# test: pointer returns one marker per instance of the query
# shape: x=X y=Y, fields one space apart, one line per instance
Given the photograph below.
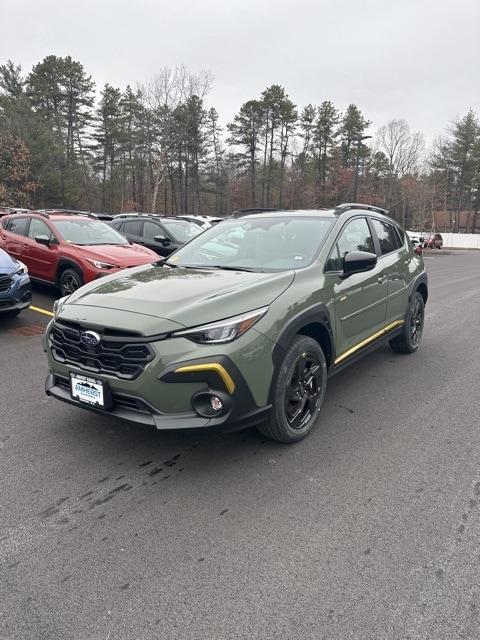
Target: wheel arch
x=420 y=284
x=66 y=263
x=313 y=322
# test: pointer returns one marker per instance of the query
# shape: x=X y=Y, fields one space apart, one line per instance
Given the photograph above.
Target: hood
x=188 y=297
x=129 y=255
x=7 y=263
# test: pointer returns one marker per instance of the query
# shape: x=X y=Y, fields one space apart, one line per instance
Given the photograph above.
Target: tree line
x=160 y=147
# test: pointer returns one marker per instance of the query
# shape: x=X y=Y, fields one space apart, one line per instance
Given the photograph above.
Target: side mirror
x=43 y=240
x=357 y=262
x=163 y=240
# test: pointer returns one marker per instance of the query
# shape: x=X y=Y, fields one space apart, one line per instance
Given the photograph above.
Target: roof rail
x=340 y=208
x=245 y=212
x=72 y=212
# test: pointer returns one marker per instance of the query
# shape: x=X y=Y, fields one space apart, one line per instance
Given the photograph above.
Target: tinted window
x=133 y=227
x=38 y=228
x=151 y=229
x=387 y=236
x=18 y=226
x=355 y=236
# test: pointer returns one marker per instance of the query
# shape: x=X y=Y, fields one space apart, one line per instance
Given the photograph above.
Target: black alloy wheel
x=410 y=338
x=297 y=391
x=70 y=281
x=303 y=390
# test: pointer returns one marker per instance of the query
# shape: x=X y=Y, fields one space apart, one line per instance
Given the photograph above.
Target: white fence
x=461 y=240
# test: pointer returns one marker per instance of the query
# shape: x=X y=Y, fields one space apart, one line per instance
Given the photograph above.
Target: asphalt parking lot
x=368 y=529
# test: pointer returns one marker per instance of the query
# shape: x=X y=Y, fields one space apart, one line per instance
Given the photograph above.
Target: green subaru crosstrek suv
x=243 y=325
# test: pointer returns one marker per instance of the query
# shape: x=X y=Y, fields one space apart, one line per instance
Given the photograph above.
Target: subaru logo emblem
x=90 y=338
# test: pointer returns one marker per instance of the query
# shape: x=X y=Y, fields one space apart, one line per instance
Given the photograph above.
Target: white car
x=203 y=221
x=416 y=237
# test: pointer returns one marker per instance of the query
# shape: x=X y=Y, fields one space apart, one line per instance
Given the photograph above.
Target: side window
x=18 y=226
x=151 y=229
x=133 y=227
x=387 y=236
x=355 y=236
x=38 y=228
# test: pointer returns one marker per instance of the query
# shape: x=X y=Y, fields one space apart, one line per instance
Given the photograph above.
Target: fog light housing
x=216 y=403
x=211 y=404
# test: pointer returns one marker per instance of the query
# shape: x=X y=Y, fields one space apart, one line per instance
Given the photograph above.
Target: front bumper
x=242 y=411
x=18 y=297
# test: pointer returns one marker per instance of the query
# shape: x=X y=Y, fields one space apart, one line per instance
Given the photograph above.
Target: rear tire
x=70 y=280
x=298 y=389
x=409 y=340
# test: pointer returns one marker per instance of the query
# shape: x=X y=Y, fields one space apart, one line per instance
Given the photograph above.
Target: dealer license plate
x=88 y=390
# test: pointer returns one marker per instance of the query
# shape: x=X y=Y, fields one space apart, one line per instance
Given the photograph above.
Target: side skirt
x=363 y=352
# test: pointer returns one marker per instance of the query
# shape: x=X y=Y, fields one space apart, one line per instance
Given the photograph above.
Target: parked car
x=416 y=238
x=15 y=291
x=162 y=234
x=202 y=341
x=205 y=222
x=68 y=250
x=433 y=241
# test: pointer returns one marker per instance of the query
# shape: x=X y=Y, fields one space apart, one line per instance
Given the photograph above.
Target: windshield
x=181 y=230
x=85 y=231
x=259 y=244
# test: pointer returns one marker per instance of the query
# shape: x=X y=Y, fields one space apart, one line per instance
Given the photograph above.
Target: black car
x=162 y=234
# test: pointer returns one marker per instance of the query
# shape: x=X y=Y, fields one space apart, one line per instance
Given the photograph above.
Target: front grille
x=6 y=303
x=119 y=400
x=5 y=283
x=118 y=354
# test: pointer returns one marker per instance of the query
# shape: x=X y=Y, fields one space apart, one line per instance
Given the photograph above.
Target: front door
x=360 y=301
x=150 y=231
x=40 y=259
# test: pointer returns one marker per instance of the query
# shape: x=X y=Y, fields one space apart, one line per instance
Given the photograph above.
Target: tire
x=409 y=340
x=13 y=313
x=70 y=280
x=298 y=389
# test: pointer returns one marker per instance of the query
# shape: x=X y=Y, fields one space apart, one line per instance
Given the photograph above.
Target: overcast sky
x=413 y=59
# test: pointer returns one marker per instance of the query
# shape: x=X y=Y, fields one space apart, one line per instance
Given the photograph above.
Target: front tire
x=298 y=390
x=70 y=280
x=409 y=340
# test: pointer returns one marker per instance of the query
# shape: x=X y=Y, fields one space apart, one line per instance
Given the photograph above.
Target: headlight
x=58 y=304
x=101 y=265
x=21 y=270
x=224 y=330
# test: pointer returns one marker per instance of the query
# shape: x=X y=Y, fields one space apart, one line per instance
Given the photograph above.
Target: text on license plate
x=86 y=389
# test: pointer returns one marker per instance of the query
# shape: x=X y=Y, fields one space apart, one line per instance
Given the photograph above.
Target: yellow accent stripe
x=363 y=343
x=44 y=311
x=211 y=366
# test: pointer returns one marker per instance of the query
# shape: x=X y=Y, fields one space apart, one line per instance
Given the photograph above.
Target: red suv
x=433 y=241
x=68 y=250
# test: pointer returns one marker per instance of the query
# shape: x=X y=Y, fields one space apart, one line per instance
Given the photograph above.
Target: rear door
x=360 y=301
x=394 y=258
x=14 y=231
x=133 y=229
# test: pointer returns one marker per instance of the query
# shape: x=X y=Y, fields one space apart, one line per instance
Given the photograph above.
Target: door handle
x=381 y=278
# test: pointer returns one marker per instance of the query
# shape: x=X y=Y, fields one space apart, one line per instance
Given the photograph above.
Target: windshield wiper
x=169 y=264
x=232 y=268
